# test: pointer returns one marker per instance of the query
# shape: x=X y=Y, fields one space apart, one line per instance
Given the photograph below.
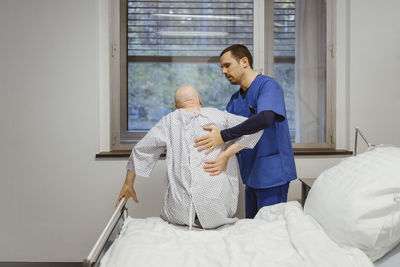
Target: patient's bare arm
x=215 y=167
x=128 y=190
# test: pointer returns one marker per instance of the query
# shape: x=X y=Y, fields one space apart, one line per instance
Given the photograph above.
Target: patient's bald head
x=187 y=96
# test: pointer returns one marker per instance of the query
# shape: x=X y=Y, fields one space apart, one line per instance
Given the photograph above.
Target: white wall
x=375 y=69
x=55 y=197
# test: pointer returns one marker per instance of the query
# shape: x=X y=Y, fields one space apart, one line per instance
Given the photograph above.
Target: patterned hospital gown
x=188 y=189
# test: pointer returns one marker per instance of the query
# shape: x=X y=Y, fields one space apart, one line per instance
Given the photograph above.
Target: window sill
x=321 y=152
x=296 y=152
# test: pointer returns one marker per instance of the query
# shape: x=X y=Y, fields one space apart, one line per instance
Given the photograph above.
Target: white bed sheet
x=280 y=235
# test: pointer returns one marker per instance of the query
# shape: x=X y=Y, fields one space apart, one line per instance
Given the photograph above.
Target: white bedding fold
x=280 y=235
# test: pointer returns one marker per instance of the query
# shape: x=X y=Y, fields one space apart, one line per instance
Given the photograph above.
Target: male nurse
x=267 y=169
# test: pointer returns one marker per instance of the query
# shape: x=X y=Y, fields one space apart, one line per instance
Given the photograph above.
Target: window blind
x=284 y=28
x=187 y=28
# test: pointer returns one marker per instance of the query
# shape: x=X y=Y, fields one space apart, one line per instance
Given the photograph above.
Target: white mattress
x=280 y=235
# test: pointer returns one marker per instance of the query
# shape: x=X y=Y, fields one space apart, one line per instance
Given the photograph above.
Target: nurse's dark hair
x=239 y=51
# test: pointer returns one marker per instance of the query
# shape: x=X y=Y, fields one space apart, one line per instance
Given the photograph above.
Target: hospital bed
x=306 y=235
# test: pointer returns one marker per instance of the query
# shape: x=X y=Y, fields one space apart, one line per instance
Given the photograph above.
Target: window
x=300 y=65
x=166 y=44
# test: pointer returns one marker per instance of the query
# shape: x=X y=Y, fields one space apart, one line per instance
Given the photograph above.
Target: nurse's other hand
x=210 y=141
x=127 y=191
x=215 y=167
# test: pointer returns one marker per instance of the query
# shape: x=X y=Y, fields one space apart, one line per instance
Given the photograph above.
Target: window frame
x=263 y=48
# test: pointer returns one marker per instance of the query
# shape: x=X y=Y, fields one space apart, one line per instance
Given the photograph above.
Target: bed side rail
x=101 y=241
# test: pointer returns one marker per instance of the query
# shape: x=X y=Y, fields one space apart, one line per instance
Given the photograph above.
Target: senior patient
x=200 y=190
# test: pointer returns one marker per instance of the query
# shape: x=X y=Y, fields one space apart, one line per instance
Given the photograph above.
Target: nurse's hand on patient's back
x=215 y=167
x=209 y=141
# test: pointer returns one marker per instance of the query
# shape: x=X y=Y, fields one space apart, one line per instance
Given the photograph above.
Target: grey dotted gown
x=189 y=191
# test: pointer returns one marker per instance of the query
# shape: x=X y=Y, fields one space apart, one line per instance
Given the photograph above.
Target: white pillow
x=357 y=201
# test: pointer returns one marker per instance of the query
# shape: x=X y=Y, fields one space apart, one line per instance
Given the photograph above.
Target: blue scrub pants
x=256 y=198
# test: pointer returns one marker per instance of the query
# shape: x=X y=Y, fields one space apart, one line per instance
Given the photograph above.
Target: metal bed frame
x=109 y=234
x=114 y=225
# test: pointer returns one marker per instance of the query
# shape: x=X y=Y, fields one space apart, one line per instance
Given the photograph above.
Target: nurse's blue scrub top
x=271 y=162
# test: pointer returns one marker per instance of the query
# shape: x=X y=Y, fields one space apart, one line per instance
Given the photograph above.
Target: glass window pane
x=284 y=56
x=186 y=30
x=173 y=43
x=207 y=26
x=284 y=73
x=151 y=88
x=300 y=66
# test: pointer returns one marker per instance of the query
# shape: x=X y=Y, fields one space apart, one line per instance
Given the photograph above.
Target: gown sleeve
x=146 y=152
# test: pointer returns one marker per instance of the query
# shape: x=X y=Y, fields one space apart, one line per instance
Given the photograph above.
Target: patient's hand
x=215 y=167
x=210 y=141
x=127 y=191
